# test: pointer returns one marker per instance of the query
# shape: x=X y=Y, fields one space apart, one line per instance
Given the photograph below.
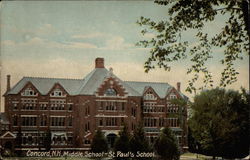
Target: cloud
x=37 y=42
x=116 y=43
x=43 y=30
x=88 y=36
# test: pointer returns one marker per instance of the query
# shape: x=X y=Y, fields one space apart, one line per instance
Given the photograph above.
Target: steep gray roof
x=95 y=78
x=160 y=88
x=89 y=84
x=45 y=84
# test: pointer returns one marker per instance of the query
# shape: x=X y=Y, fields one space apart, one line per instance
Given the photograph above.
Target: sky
x=61 y=39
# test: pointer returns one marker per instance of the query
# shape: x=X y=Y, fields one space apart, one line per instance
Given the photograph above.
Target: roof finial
x=110 y=73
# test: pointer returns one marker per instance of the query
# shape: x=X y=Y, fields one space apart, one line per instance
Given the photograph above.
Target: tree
x=47 y=140
x=99 y=143
x=139 y=142
x=166 y=145
x=219 y=123
x=122 y=142
x=168 y=45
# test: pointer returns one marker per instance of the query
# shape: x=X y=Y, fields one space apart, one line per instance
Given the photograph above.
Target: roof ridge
x=148 y=82
x=53 y=78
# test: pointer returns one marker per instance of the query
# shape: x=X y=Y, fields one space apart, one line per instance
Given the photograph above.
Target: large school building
x=73 y=109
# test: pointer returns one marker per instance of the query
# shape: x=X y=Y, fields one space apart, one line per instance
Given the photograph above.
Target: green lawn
x=189 y=155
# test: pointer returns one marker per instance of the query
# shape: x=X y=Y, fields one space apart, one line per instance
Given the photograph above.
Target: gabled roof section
x=161 y=89
x=95 y=78
x=28 y=85
x=150 y=89
x=44 y=85
x=57 y=86
x=175 y=90
x=8 y=134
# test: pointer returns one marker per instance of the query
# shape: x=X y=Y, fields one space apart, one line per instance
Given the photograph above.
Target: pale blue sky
x=62 y=39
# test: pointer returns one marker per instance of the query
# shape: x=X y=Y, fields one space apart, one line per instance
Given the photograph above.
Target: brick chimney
x=99 y=62
x=8 y=83
x=178 y=86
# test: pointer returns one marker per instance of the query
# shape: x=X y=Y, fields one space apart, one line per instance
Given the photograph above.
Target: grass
x=194 y=156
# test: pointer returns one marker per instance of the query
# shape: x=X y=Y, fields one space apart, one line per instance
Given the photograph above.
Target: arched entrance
x=111 y=139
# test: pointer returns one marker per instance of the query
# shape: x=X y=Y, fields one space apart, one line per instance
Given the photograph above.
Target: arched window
x=110 y=92
x=57 y=93
x=29 y=92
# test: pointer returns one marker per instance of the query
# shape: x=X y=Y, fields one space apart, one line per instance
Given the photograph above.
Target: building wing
x=45 y=84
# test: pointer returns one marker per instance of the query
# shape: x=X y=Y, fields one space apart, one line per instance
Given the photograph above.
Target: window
x=15 y=106
x=15 y=120
x=110 y=92
x=173 y=122
x=122 y=120
x=43 y=120
x=70 y=107
x=111 y=121
x=57 y=104
x=29 y=92
x=123 y=106
x=58 y=121
x=149 y=122
x=87 y=127
x=133 y=110
x=43 y=106
x=57 y=93
x=70 y=121
x=149 y=96
x=171 y=96
x=172 y=108
x=161 y=122
x=87 y=110
x=29 y=121
x=100 y=122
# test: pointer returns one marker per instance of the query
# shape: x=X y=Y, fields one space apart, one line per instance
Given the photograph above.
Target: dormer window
x=149 y=96
x=110 y=92
x=57 y=93
x=29 y=92
x=172 y=96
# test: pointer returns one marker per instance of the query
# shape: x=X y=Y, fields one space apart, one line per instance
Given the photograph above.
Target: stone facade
x=73 y=109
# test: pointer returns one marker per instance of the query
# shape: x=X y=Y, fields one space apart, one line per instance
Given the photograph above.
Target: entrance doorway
x=111 y=139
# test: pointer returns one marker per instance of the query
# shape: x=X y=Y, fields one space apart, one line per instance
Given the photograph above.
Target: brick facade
x=72 y=110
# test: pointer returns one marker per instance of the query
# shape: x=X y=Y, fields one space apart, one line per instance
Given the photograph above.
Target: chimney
x=178 y=86
x=99 y=62
x=8 y=83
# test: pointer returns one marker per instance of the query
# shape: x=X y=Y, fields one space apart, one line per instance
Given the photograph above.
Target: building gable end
x=57 y=88
x=111 y=86
x=29 y=86
x=150 y=94
x=8 y=134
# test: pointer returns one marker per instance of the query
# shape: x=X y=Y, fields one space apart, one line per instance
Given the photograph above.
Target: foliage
x=99 y=143
x=47 y=140
x=166 y=145
x=168 y=45
x=122 y=142
x=193 y=145
x=220 y=123
x=139 y=142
